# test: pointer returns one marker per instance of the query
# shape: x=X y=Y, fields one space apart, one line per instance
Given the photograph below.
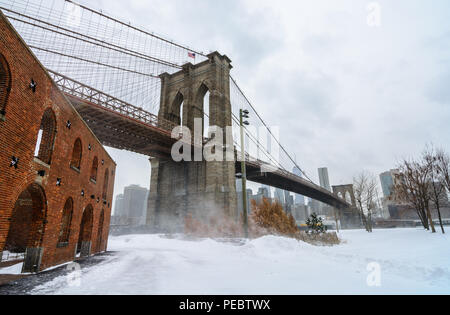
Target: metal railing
x=108 y=102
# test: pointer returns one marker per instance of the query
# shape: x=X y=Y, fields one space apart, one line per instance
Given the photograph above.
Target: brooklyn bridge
x=133 y=87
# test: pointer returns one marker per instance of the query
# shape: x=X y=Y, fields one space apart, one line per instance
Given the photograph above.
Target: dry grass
x=267 y=219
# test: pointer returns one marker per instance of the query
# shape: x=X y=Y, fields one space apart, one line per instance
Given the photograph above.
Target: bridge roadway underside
x=289 y=182
x=124 y=133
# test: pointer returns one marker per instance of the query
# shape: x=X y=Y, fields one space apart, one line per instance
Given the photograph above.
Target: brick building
x=56 y=179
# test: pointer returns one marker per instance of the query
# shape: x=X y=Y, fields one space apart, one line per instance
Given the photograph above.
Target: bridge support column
x=189 y=188
x=199 y=188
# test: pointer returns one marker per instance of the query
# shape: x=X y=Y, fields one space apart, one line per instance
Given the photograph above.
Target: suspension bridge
x=133 y=87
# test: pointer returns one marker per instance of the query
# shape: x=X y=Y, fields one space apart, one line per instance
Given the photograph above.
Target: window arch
x=77 y=153
x=85 y=234
x=176 y=115
x=27 y=226
x=46 y=137
x=203 y=97
x=105 y=185
x=5 y=84
x=94 y=170
x=348 y=197
x=66 y=222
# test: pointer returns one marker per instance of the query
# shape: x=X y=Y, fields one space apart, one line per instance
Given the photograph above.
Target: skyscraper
x=387 y=182
x=118 y=208
x=130 y=207
x=324 y=179
x=135 y=201
x=299 y=199
x=288 y=201
x=279 y=196
x=268 y=190
x=264 y=192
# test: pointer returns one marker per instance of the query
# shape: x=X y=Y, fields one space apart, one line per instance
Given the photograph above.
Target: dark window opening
x=46 y=137
x=94 y=170
x=105 y=185
x=5 y=85
x=77 y=153
x=66 y=222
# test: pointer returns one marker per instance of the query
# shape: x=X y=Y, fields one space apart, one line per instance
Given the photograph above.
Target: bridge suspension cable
x=100 y=51
x=122 y=60
x=240 y=100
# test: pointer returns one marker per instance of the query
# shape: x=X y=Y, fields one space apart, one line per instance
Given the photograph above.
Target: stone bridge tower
x=199 y=188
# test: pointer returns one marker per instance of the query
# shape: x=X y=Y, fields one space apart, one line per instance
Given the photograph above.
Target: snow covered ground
x=411 y=262
x=12 y=270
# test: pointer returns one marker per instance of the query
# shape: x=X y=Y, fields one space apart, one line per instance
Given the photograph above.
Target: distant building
x=240 y=202
x=279 y=196
x=300 y=213
x=130 y=207
x=299 y=199
x=324 y=179
x=135 y=202
x=387 y=180
x=314 y=206
x=118 y=207
x=265 y=192
x=269 y=191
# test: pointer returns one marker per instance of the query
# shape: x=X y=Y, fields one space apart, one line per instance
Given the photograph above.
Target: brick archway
x=101 y=221
x=27 y=227
x=85 y=237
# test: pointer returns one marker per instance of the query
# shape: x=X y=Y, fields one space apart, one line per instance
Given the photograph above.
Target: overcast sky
x=347 y=95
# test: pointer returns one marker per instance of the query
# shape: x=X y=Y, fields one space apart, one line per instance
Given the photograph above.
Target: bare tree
x=443 y=167
x=366 y=196
x=413 y=186
x=437 y=181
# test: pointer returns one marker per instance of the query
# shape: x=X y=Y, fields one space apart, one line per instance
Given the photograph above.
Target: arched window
x=176 y=115
x=5 y=84
x=348 y=197
x=46 y=137
x=27 y=227
x=105 y=185
x=203 y=97
x=85 y=235
x=76 y=155
x=181 y=114
x=94 y=170
x=66 y=221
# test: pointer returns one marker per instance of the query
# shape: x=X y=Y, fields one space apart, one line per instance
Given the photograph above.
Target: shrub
x=270 y=218
x=315 y=224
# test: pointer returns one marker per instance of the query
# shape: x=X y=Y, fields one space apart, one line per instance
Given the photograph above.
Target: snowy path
x=412 y=262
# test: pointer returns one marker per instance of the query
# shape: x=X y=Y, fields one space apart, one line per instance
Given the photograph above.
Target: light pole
x=244 y=114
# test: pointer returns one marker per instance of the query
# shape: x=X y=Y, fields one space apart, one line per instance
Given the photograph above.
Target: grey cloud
x=353 y=98
x=439 y=90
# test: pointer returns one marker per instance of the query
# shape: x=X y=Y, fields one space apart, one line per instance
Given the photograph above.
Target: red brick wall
x=18 y=136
